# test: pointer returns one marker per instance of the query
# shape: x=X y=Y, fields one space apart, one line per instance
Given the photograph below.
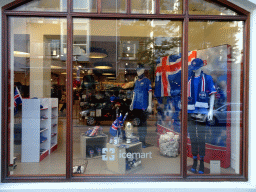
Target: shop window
x=107 y=87
x=143 y=6
x=113 y=6
x=38 y=84
x=214 y=97
x=126 y=89
x=204 y=7
x=44 y=5
x=87 y=6
x=171 y=6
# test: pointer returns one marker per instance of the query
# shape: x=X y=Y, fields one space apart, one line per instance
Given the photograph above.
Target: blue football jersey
x=210 y=89
x=141 y=89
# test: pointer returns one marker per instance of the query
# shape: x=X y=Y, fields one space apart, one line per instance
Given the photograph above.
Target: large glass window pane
x=85 y=6
x=171 y=6
x=113 y=6
x=143 y=6
x=44 y=5
x=118 y=64
x=203 y=7
x=214 y=97
x=38 y=84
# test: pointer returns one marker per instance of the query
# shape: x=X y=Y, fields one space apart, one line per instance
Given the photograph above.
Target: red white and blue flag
x=168 y=69
x=93 y=132
x=116 y=126
x=17 y=98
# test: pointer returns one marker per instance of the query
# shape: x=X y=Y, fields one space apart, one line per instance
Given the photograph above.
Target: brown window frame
x=7 y=11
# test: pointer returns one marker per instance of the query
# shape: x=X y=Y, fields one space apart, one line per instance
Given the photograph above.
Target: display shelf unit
x=37 y=129
x=118 y=164
x=100 y=140
x=54 y=124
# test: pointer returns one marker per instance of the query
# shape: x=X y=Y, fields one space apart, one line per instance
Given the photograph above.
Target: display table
x=116 y=156
x=99 y=140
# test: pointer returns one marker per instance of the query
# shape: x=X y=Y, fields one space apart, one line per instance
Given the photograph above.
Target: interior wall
x=40 y=64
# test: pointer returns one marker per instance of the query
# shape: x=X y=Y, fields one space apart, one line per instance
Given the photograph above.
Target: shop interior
x=106 y=59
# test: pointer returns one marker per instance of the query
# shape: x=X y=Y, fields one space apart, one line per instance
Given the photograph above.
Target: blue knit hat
x=196 y=64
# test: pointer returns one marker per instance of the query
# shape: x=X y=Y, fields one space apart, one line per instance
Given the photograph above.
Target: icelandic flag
x=168 y=74
x=17 y=99
x=116 y=126
x=93 y=132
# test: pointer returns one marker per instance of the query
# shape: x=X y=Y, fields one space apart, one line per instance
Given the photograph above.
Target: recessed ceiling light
x=55 y=67
x=108 y=74
x=21 y=54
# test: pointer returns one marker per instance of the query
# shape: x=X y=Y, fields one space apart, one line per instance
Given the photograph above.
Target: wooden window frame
x=185 y=18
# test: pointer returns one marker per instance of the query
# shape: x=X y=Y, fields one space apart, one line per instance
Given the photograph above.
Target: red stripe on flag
x=166 y=67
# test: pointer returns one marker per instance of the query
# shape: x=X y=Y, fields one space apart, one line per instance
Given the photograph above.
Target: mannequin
x=88 y=81
x=142 y=102
x=88 y=84
x=201 y=94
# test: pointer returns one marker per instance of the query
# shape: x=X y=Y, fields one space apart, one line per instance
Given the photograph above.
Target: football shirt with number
x=141 y=91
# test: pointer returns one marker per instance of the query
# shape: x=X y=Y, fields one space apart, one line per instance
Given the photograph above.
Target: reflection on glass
x=143 y=6
x=44 y=5
x=171 y=6
x=214 y=107
x=88 y=6
x=117 y=87
x=113 y=6
x=203 y=7
x=38 y=84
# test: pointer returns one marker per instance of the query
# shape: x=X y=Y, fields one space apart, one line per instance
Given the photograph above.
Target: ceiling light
x=108 y=73
x=65 y=73
x=21 y=54
x=55 y=67
x=96 y=53
x=102 y=65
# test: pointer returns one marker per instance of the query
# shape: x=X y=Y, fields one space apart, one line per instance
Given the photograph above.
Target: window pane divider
x=5 y=94
x=69 y=97
x=218 y=17
x=99 y=6
x=125 y=16
x=245 y=117
x=129 y=2
x=184 y=99
x=36 y=14
x=157 y=7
